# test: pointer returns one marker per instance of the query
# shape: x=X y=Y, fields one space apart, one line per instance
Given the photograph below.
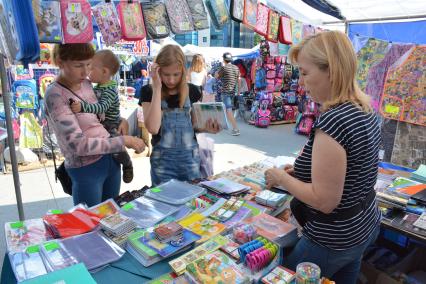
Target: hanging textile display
x=8 y=32
x=156 y=20
x=218 y=12
x=199 y=14
x=31 y=132
x=237 y=10
x=404 y=93
x=285 y=35
x=48 y=20
x=409 y=145
x=76 y=21
x=179 y=16
x=296 y=31
x=377 y=73
x=250 y=13
x=106 y=18
x=262 y=19
x=131 y=20
x=273 y=25
x=370 y=54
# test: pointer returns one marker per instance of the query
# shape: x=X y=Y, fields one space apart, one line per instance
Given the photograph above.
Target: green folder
x=75 y=274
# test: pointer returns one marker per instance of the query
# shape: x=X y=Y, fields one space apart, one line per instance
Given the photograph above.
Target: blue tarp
x=402 y=32
x=325 y=7
x=250 y=55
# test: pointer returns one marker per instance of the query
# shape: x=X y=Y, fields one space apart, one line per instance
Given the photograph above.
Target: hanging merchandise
x=131 y=20
x=237 y=10
x=44 y=81
x=106 y=18
x=48 y=20
x=27 y=32
x=199 y=14
x=156 y=20
x=404 y=93
x=250 y=13
x=45 y=54
x=218 y=11
x=31 y=132
x=307 y=30
x=180 y=16
x=377 y=73
x=263 y=115
x=25 y=94
x=296 y=31
x=285 y=35
x=8 y=31
x=262 y=19
x=76 y=21
x=273 y=25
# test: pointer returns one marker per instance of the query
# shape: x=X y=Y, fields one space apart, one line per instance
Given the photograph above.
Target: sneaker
x=235 y=132
x=127 y=174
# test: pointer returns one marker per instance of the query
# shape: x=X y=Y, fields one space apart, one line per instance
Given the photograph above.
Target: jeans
x=341 y=266
x=96 y=182
x=227 y=100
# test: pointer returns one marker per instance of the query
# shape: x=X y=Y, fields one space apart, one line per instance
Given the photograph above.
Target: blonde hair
x=333 y=50
x=169 y=55
x=197 y=64
x=109 y=60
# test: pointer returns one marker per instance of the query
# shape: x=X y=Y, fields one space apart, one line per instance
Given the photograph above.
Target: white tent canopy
x=352 y=9
x=214 y=53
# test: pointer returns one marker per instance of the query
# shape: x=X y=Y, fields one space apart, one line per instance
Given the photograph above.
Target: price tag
x=17 y=225
x=161 y=30
x=51 y=246
x=128 y=206
x=33 y=249
x=392 y=109
x=56 y=211
x=74 y=7
x=155 y=189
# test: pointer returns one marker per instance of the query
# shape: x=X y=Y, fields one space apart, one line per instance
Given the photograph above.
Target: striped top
x=228 y=75
x=359 y=134
x=108 y=102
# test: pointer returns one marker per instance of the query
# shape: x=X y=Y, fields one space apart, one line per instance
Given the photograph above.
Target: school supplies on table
x=117 y=224
x=27 y=264
x=420 y=174
x=209 y=111
x=75 y=274
x=243 y=233
x=279 y=275
x=106 y=208
x=22 y=234
x=169 y=232
x=206 y=228
x=227 y=210
x=175 y=192
x=308 y=272
x=231 y=248
x=225 y=186
x=270 y=198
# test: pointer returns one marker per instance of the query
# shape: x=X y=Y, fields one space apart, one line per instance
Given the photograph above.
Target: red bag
x=250 y=13
x=262 y=19
x=273 y=25
x=284 y=34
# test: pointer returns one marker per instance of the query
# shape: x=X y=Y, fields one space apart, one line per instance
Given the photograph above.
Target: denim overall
x=176 y=155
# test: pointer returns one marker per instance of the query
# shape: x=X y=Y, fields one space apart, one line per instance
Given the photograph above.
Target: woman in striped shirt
x=333 y=179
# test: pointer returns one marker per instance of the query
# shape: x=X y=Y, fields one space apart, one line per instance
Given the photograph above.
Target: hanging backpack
x=106 y=18
x=250 y=13
x=156 y=20
x=76 y=21
x=270 y=85
x=31 y=132
x=304 y=124
x=218 y=11
x=262 y=19
x=237 y=10
x=48 y=20
x=263 y=115
x=260 y=82
x=270 y=71
x=27 y=32
x=273 y=25
x=264 y=49
x=284 y=34
x=131 y=20
x=45 y=54
x=278 y=84
x=25 y=94
x=290 y=98
x=44 y=81
x=180 y=16
x=280 y=71
x=199 y=14
x=8 y=31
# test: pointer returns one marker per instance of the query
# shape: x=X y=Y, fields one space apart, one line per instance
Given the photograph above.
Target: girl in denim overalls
x=167 y=115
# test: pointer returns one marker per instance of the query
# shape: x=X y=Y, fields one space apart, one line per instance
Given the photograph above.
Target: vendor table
x=129 y=110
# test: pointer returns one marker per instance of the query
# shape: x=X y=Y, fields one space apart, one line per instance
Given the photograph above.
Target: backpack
x=263 y=115
x=304 y=124
x=278 y=84
x=156 y=20
x=280 y=113
x=44 y=81
x=270 y=71
x=290 y=98
x=25 y=94
x=76 y=21
x=260 y=82
x=180 y=16
x=289 y=113
x=270 y=85
x=48 y=20
x=106 y=18
x=280 y=71
x=131 y=20
x=31 y=132
x=199 y=14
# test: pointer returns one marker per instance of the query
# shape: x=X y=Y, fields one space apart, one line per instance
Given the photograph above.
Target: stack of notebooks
x=420 y=174
x=117 y=227
x=225 y=186
x=270 y=198
x=171 y=232
x=227 y=210
x=175 y=192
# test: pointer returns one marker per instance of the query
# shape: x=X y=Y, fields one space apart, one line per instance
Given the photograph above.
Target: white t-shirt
x=197 y=78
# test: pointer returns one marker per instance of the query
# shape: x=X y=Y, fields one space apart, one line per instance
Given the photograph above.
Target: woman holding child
x=83 y=140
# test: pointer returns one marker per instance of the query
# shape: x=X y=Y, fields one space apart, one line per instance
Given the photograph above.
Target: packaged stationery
x=106 y=18
x=48 y=20
x=225 y=186
x=206 y=228
x=132 y=20
x=270 y=198
x=250 y=13
x=57 y=256
x=76 y=18
x=218 y=11
x=117 y=224
x=179 y=16
x=237 y=10
x=156 y=19
x=22 y=234
x=279 y=275
x=27 y=264
x=175 y=192
x=106 y=208
x=199 y=14
x=202 y=112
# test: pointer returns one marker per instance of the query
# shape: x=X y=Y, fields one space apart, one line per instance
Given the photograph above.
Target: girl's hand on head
x=155 y=75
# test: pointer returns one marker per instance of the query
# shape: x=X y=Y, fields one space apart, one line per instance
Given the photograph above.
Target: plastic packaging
x=147 y=212
x=308 y=273
x=175 y=192
x=22 y=234
x=27 y=265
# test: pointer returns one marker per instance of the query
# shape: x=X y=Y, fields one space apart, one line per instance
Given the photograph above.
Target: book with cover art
x=206 y=228
x=22 y=234
x=106 y=208
x=216 y=267
x=226 y=186
x=204 y=112
x=279 y=275
x=166 y=249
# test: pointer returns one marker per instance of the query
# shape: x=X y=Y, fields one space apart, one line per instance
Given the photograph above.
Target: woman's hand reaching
x=134 y=143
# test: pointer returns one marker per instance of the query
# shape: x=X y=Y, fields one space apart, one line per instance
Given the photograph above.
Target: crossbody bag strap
x=72 y=92
x=51 y=148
